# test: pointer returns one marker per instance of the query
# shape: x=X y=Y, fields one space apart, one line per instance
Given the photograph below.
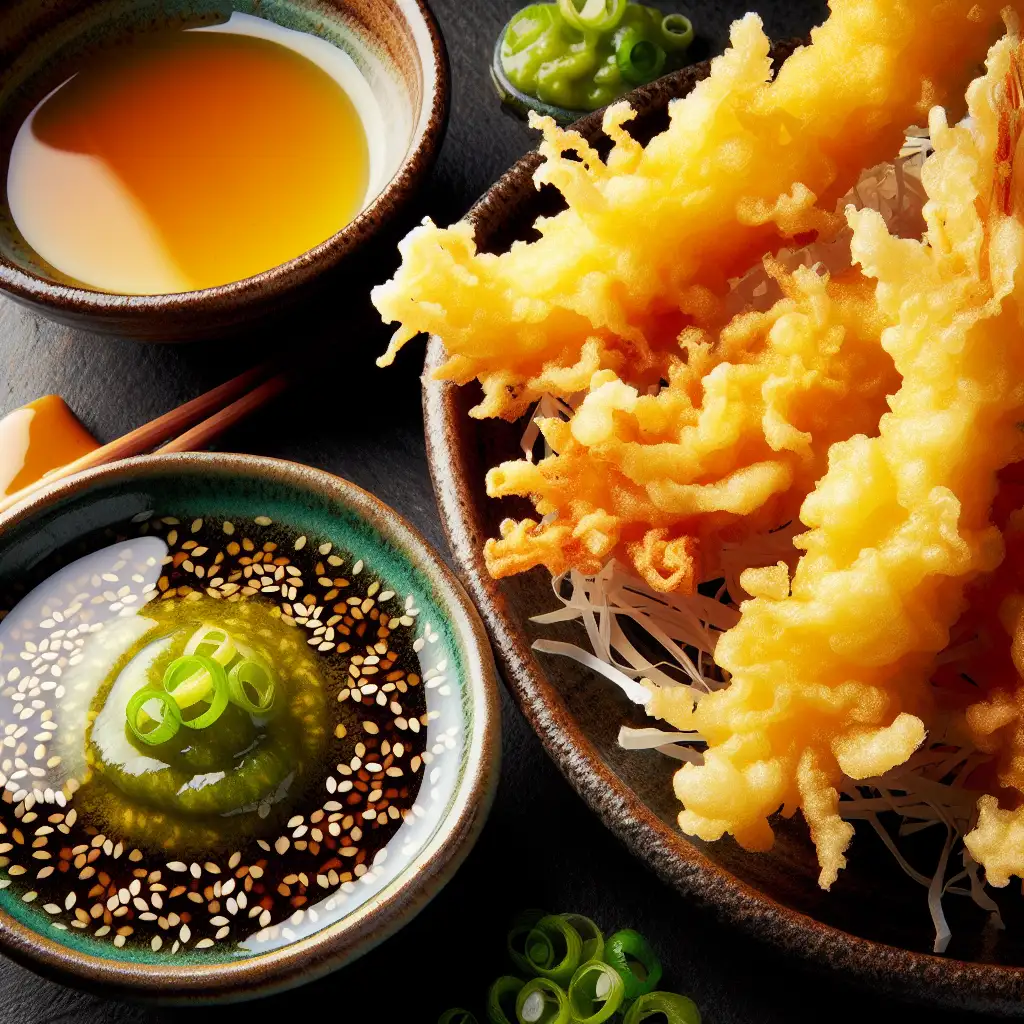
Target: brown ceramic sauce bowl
x=395 y=44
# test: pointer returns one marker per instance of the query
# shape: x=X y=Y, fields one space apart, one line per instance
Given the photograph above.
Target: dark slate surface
x=542 y=847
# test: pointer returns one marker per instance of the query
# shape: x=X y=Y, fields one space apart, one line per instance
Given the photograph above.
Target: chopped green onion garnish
x=516 y=941
x=251 y=686
x=639 y=60
x=456 y=1016
x=211 y=642
x=593 y=15
x=191 y=679
x=590 y=935
x=194 y=679
x=541 y=1001
x=673 y=1008
x=595 y=993
x=152 y=716
x=631 y=955
x=553 y=949
x=676 y=32
x=501 y=1000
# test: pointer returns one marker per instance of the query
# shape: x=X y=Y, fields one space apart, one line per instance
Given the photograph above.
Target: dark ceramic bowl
x=873 y=927
x=340 y=919
x=397 y=46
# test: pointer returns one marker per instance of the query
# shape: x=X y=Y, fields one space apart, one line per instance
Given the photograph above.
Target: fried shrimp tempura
x=832 y=679
x=746 y=165
x=735 y=441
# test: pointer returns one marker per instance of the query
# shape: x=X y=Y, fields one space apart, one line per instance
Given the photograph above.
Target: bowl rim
x=927 y=978
x=378 y=918
x=428 y=133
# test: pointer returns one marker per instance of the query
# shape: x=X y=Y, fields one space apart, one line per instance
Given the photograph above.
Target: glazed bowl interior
x=400 y=88
x=136 y=510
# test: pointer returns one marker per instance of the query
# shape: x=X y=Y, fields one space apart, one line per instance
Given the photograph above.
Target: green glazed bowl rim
x=426 y=874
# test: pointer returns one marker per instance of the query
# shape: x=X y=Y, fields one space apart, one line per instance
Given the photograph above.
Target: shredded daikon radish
x=613 y=605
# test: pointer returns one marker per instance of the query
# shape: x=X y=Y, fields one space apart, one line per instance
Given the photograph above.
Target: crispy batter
x=997 y=841
x=730 y=446
x=746 y=165
x=900 y=523
x=997 y=726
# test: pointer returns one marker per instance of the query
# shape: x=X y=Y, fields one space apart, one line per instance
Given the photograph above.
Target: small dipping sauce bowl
x=208 y=924
x=395 y=45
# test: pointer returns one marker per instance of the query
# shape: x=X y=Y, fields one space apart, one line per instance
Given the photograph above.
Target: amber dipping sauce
x=37 y=438
x=186 y=160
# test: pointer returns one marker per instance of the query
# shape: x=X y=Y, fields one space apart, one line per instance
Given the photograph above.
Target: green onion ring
x=216 y=693
x=676 y=32
x=595 y=993
x=674 y=1008
x=456 y=1015
x=622 y=951
x=638 y=59
x=248 y=672
x=541 y=1001
x=499 y=995
x=515 y=943
x=212 y=642
x=190 y=679
x=169 y=722
x=599 y=16
x=553 y=949
x=590 y=935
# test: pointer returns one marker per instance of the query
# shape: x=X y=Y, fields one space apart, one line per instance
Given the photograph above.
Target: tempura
x=747 y=165
x=832 y=678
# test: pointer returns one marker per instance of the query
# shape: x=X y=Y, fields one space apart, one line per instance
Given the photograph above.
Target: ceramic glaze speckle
x=211 y=516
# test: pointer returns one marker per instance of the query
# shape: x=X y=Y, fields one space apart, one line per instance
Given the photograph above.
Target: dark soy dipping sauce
x=185 y=848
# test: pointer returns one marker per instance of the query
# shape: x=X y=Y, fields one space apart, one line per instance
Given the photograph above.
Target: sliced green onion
x=553 y=949
x=595 y=993
x=211 y=642
x=639 y=60
x=456 y=1015
x=251 y=686
x=598 y=16
x=541 y=1001
x=676 y=32
x=590 y=935
x=192 y=680
x=501 y=1000
x=147 y=723
x=674 y=1008
x=516 y=941
x=631 y=955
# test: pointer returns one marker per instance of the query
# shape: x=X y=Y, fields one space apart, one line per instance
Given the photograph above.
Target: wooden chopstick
x=201 y=420
x=203 y=433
